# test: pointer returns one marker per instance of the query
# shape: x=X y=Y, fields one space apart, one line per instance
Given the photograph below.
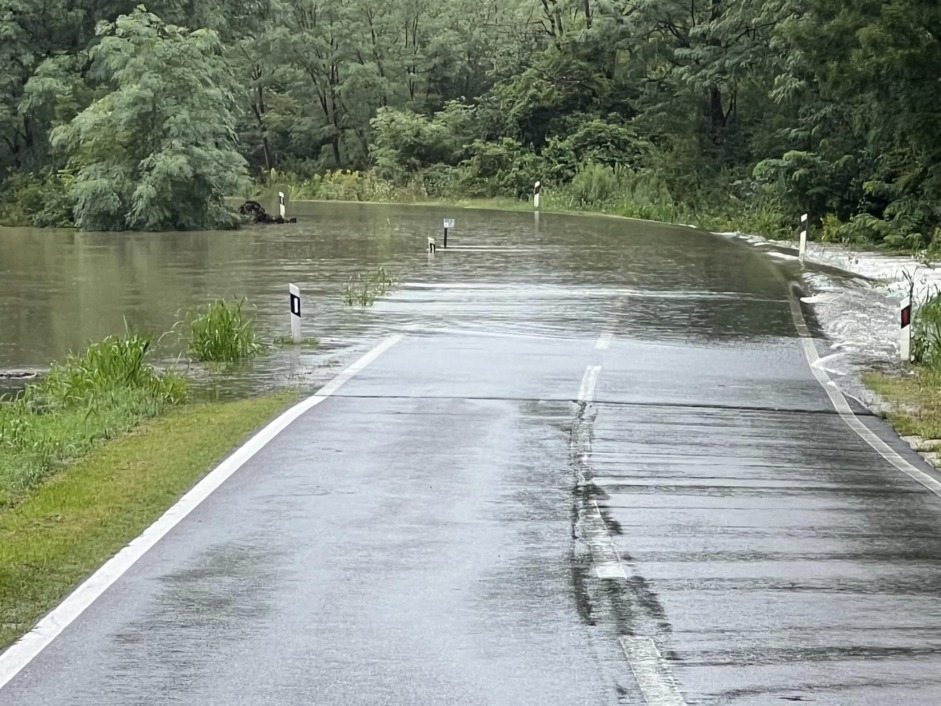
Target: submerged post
x=295 y=293
x=537 y=193
x=448 y=225
x=905 y=331
x=802 y=248
x=281 y=208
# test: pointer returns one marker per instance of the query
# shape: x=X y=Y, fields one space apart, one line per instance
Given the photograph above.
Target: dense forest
x=115 y=117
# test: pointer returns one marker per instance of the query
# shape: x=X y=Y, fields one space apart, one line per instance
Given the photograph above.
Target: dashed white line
x=15 y=659
x=604 y=341
x=587 y=390
x=843 y=408
x=651 y=671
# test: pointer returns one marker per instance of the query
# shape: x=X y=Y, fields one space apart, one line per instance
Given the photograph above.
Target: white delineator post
x=537 y=193
x=802 y=249
x=281 y=209
x=905 y=332
x=448 y=225
x=295 y=312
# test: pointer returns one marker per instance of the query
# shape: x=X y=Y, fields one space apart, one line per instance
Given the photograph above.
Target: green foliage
x=41 y=201
x=405 y=141
x=115 y=363
x=597 y=141
x=499 y=168
x=221 y=332
x=91 y=396
x=364 y=291
x=157 y=150
x=746 y=113
x=926 y=332
x=341 y=185
x=595 y=185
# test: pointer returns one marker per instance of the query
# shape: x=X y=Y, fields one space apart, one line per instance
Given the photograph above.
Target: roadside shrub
x=863 y=229
x=595 y=185
x=221 y=332
x=37 y=200
x=926 y=332
x=345 y=185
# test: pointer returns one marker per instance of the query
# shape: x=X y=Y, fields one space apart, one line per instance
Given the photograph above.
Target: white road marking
x=29 y=646
x=651 y=672
x=587 y=390
x=846 y=412
x=604 y=341
x=604 y=553
x=605 y=559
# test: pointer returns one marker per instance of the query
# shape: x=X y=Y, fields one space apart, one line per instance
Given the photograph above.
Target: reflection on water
x=559 y=276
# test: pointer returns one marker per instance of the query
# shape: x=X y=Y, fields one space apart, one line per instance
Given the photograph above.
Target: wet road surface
x=618 y=484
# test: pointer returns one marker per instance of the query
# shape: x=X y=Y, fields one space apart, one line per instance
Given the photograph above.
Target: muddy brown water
x=547 y=275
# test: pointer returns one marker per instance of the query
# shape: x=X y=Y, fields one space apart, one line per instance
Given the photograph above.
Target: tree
x=157 y=151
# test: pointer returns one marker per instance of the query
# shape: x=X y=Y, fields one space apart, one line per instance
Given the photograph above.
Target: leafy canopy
x=158 y=149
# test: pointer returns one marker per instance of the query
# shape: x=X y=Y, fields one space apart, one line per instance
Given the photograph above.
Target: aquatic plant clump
x=222 y=332
x=365 y=290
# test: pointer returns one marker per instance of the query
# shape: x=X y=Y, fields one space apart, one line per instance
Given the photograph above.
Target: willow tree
x=158 y=149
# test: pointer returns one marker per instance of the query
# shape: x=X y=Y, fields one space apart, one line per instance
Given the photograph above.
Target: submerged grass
x=70 y=524
x=88 y=398
x=365 y=290
x=309 y=341
x=221 y=331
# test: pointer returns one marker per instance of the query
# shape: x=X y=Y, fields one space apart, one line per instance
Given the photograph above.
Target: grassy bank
x=596 y=190
x=914 y=397
x=87 y=399
x=70 y=524
x=914 y=401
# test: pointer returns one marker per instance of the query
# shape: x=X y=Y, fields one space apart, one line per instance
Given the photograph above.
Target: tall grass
x=91 y=396
x=926 y=332
x=343 y=185
x=222 y=332
x=364 y=291
x=617 y=190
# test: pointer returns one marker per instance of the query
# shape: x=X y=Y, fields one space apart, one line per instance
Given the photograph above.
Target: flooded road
x=61 y=290
x=590 y=462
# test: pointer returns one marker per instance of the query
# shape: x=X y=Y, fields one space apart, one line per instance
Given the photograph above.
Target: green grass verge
x=914 y=401
x=69 y=525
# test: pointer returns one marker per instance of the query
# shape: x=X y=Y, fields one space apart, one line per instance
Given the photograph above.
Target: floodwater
x=599 y=469
x=554 y=275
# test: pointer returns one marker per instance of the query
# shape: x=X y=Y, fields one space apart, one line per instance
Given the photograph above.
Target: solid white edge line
x=22 y=652
x=843 y=408
x=587 y=389
x=651 y=671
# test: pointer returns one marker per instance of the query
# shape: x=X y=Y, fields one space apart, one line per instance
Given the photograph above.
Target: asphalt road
x=634 y=494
